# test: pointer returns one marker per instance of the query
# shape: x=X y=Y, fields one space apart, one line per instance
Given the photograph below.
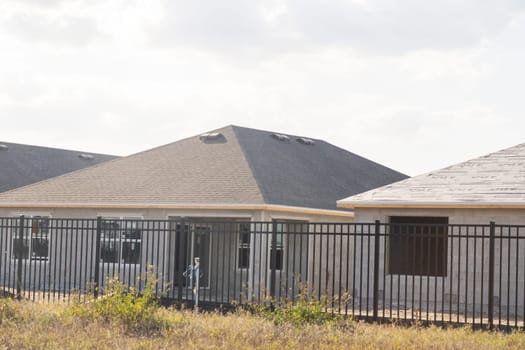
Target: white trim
x=205 y=215
x=246 y=207
x=29 y=214
x=290 y=218
x=120 y=216
x=431 y=204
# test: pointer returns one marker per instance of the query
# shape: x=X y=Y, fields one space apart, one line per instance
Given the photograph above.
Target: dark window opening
x=418 y=246
x=276 y=252
x=21 y=252
x=109 y=251
x=130 y=252
x=192 y=240
x=35 y=240
x=276 y=259
x=244 y=246
x=120 y=241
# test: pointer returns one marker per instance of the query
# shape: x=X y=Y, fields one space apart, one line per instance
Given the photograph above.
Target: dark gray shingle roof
x=22 y=165
x=243 y=166
x=316 y=175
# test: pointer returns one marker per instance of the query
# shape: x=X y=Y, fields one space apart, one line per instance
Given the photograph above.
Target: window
x=418 y=246
x=35 y=239
x=243 y=261
x=285 y=231
x=276 y=255
x=120 y=240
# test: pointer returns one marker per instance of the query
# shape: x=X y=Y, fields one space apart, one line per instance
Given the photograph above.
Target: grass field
x=24 y=325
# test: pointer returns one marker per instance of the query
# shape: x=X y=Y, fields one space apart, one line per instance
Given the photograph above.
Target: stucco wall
x=69 y=251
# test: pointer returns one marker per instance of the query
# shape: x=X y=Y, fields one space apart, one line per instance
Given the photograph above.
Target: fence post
x=181 y=254
x=196 y=282
x=491 y=274
x=273 y=258
x=19 y=246
x=98 y=238
x=376 y=269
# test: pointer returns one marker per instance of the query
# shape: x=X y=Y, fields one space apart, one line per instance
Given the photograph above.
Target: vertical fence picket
x=19 y=261
x=98 y=238
x=376 y=270
x=490 y=286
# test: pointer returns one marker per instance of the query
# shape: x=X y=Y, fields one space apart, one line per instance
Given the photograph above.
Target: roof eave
x=432 y=205
x=272 y=207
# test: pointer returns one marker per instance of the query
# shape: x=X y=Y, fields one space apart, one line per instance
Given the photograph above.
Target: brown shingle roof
x=242 y=167
x=187 y=171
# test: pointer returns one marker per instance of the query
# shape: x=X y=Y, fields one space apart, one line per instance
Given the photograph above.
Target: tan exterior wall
x=226 y=279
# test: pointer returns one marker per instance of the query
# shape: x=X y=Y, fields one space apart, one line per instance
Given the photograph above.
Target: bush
x=304 y=310
x=136 y=310
x=7 y=310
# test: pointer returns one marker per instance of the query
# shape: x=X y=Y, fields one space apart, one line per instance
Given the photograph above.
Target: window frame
x=244 y=248
x=412 y=249
x=194 y=228
x=28 y=239
x=282 y=226
x=117 y=237
x=278 y=228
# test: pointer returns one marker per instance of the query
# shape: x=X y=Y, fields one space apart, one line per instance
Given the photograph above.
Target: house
x=21 y=165
x=437 y=247
x=208 y=194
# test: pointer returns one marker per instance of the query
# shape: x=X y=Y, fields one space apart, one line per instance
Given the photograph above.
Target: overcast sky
x=415 y=85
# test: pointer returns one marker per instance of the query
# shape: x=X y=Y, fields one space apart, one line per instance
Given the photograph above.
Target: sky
x=414 y=85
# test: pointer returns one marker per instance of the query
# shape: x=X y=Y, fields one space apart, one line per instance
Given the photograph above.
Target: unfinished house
x=452 y=242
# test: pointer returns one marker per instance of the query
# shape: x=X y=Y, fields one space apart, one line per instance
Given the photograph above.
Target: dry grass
x=25 y=325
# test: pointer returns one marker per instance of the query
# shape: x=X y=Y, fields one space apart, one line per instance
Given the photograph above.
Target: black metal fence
x=436 y=272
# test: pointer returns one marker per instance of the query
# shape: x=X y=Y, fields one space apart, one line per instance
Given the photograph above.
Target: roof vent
x=85 y=156
x=280 y=137
x=210 y=136
x=305 y=141
x=3 y=147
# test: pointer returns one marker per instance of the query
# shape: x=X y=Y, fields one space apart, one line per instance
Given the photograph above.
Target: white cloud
x=62 y=31
x=384 y=27
x=414 y=85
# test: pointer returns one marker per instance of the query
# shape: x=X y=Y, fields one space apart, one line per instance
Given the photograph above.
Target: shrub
x=136 y=310
x=304 y=310
x=7 y=310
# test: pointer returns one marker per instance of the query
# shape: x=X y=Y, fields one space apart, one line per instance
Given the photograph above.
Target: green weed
x=136 y=310
x=304 y=310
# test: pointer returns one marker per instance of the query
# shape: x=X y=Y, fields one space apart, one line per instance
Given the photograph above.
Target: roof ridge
x=276 y=132
x=57 y=148
x=248 y=163
x=323 y=141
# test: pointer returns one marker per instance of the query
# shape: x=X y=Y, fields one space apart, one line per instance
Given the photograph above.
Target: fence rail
x=440 y=273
